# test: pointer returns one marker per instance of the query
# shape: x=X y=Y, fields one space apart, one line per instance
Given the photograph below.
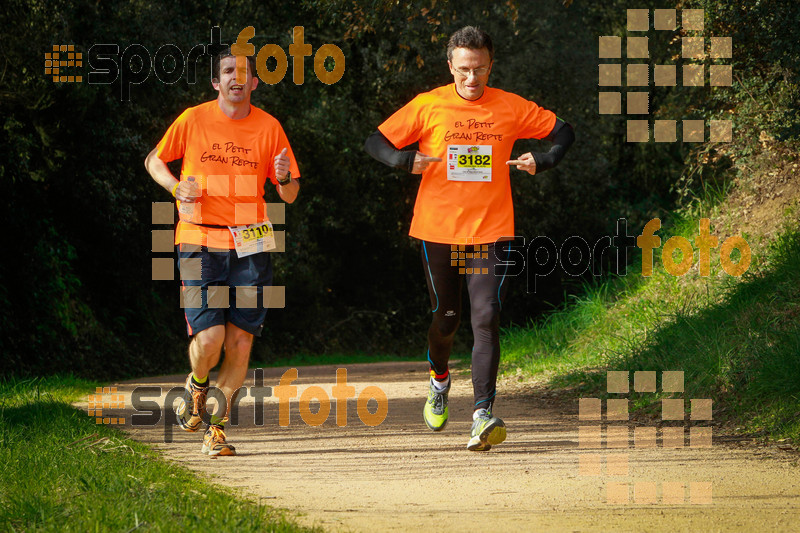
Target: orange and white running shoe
x=192 y=406
x=214 y=441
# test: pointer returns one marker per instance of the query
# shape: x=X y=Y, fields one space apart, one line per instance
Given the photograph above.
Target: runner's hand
x=525 y=162
x=281 y=165
x=421 y=162
x=187 y=191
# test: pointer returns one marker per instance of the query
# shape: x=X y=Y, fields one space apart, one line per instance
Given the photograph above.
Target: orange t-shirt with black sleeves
x=231 y=160
x=446 y=125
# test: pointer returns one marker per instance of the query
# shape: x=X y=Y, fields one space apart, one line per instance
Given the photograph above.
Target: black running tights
x=446 y=266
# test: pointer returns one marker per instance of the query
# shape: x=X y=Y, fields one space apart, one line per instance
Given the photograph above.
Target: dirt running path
x=399 y=476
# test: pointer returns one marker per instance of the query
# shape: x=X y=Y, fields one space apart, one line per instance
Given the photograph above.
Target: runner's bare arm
x=185 y=191
x=379 y=147
x=288 y=192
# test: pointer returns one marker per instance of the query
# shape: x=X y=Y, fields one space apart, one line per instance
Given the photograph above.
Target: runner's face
x=229 y=89
x=470 y=69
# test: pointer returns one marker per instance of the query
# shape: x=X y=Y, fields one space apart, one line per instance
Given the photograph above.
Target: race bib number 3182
x=469 y=163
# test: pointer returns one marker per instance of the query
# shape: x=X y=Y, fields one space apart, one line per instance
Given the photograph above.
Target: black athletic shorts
x=219 y=287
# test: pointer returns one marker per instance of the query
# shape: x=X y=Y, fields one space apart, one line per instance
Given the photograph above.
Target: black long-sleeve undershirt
x=562 y=136
x=379 y=147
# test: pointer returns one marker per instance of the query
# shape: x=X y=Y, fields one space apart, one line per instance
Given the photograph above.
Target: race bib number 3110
x=253 y=239
x=469 y=163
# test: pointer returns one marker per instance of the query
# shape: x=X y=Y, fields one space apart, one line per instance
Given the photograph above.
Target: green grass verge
x=63 y=472
x=736 y=340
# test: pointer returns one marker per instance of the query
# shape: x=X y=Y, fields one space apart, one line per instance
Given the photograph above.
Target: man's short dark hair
x=472 y=38
x=227 y=53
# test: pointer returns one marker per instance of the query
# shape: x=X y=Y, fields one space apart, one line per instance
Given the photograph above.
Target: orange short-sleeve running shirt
x=231 y=160
x=466 y=199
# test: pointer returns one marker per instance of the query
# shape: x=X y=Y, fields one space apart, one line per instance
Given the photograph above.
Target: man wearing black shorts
x=464 y=213
x=229 y=149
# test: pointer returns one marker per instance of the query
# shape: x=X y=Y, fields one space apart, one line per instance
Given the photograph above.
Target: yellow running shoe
x=487 y=430
x=436 y=412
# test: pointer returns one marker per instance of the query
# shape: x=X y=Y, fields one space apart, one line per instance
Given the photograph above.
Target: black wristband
x=287 y=181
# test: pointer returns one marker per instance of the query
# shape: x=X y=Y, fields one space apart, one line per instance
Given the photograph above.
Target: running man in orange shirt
x=464 y=213
x=229 y=149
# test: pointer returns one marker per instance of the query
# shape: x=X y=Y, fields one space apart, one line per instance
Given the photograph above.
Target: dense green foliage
x=75 y=287
x=63 y=472
x=736 y=341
